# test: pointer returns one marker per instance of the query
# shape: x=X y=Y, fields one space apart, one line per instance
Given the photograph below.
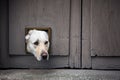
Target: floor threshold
x=58 y=74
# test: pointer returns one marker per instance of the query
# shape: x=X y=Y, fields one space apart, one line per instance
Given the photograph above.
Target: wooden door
x=101 y=34
x=64 y=18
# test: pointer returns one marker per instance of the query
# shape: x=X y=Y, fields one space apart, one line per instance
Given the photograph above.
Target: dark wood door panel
x=64 y=18
x=105 y=28
x=39 y=13
x=100 y=34
x=15 y=17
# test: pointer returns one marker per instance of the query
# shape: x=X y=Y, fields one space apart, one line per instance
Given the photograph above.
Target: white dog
x=38 y=44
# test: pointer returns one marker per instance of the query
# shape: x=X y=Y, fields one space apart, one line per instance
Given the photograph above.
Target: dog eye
x=36 y=43
x=46 y=42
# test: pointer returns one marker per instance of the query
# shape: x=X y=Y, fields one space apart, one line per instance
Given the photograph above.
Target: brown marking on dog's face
x=41 y=48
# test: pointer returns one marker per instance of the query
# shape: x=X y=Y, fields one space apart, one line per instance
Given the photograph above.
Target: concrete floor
x=58 y=74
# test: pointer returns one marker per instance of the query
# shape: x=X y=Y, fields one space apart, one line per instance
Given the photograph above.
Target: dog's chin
x=38 y=58
x=41 y=58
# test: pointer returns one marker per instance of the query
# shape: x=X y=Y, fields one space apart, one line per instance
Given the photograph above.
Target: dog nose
x=44 y=55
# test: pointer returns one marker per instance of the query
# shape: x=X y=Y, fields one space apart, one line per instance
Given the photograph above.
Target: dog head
x=38 y=44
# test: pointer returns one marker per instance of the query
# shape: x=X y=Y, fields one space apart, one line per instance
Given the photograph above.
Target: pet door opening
x=46 y=29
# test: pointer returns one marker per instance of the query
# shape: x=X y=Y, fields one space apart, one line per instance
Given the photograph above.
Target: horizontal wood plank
x=86 y=33
x=31 y=62
x=105 y=63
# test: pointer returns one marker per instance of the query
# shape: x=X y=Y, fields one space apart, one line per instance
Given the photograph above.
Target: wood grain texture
x=105 y=28
x=75 y=34
x=86 y=30
x=39 y=13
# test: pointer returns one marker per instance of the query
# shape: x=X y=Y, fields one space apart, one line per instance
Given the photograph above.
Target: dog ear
x=30 y=32
x=27 y=38
x=28 y=35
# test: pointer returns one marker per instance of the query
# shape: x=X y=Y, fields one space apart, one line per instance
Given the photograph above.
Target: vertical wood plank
x=86 y=31
x=4 y=34
x=106 y=62
x=0 y=29
x=75 y=35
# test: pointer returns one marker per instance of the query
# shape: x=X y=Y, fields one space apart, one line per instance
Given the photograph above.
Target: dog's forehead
x=38 y=35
